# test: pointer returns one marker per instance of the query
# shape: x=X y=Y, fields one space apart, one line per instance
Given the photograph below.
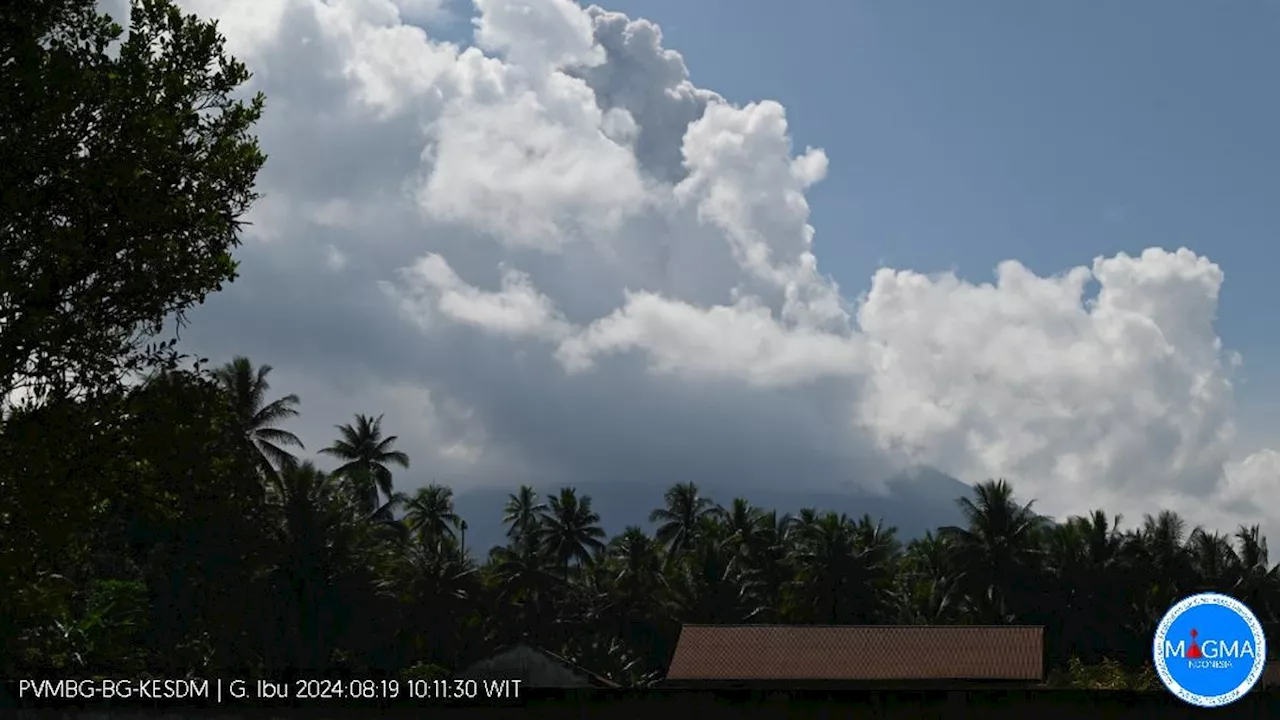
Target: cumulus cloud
x=1124 y=394
x=431 y=288
x=537 y=37
x=423 y=12
x=551 y=257
x=742 y=341
x=650 y=84
x=529 y=165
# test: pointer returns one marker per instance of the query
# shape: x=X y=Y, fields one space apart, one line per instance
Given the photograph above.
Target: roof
x=858 y=652
x=537 y=667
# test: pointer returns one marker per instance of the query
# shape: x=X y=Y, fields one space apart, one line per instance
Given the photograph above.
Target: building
x=536 y=668
x=857 y=656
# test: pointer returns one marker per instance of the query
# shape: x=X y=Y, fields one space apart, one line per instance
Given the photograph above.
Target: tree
x=1214 y=559
x=570 y=529
x=1084 y=563
x=1257 y=583
x=366 y=454
x=246 y=390
x=143 y=487
x=708 y=583
x=522 y=514
x=997 y=551
x=525 y=589
x=437 y=588
x=319 y=544
x=125 y=176
x=679 y=519
x=768 y=559
x=842 y=570
x=637 y=563
x=430 y=516
x=927 y=591
x=742 y=520
x=639 y=603
x=1159 y=555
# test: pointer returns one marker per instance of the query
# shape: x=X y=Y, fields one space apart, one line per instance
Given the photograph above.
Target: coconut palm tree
x=429 y=514
x=526 y=585
x=366 y=455
x=571 y=530
x=437 y=588
x=522 y=514
x=258 y=420
x=679 y=520
x=1084 y=581
x=316 y=540
x=927 y=591
x=998 y=551
x=637 y=564
x=742 y=520
x=708 y=581
x=804 y=521
x=842 y=570
x=1162 y=565
x=1215 y=561
x=1257 y=583
x=1163 y=541
x=767 y=560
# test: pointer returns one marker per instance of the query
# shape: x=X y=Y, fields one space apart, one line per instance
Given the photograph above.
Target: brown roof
x=858 y=652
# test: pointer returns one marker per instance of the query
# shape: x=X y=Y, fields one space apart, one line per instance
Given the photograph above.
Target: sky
x=773 y=243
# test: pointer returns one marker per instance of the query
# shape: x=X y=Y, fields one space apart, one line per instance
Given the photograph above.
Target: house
x=857 y=656
x=536 y=668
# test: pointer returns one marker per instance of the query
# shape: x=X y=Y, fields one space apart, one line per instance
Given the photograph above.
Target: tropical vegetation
x=185 y=536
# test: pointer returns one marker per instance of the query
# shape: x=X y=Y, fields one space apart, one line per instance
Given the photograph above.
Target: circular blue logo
x=1209 y=650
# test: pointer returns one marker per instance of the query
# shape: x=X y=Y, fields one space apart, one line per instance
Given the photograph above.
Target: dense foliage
x=169 y=528
x=126 y=164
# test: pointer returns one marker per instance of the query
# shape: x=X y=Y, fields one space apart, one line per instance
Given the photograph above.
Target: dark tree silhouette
x=366 y=454
x=429 y=514
x=570 y=530
x=679 y=520
x=523 y=515
x=257 y=418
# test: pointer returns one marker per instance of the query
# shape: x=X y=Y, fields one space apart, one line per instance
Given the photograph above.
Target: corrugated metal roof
x=858 y=652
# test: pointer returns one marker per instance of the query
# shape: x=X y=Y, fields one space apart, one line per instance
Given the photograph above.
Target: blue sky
x=963 y=134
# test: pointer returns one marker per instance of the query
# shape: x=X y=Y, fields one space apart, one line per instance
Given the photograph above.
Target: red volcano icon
x=1193 y=652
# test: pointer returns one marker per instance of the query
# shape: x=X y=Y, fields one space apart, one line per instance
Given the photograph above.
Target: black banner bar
x=244 y=692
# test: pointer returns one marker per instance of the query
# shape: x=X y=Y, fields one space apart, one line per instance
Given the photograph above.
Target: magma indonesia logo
x=1209 y=650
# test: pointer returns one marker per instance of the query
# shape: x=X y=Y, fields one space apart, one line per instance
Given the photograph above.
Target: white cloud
x=517 y=310
x=1249 y=481
x=530 y=165
x=422 y=12
x=334 y=258
x=742 y=341
x=537 y=36
x=586 y=267
x=1123 y=395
